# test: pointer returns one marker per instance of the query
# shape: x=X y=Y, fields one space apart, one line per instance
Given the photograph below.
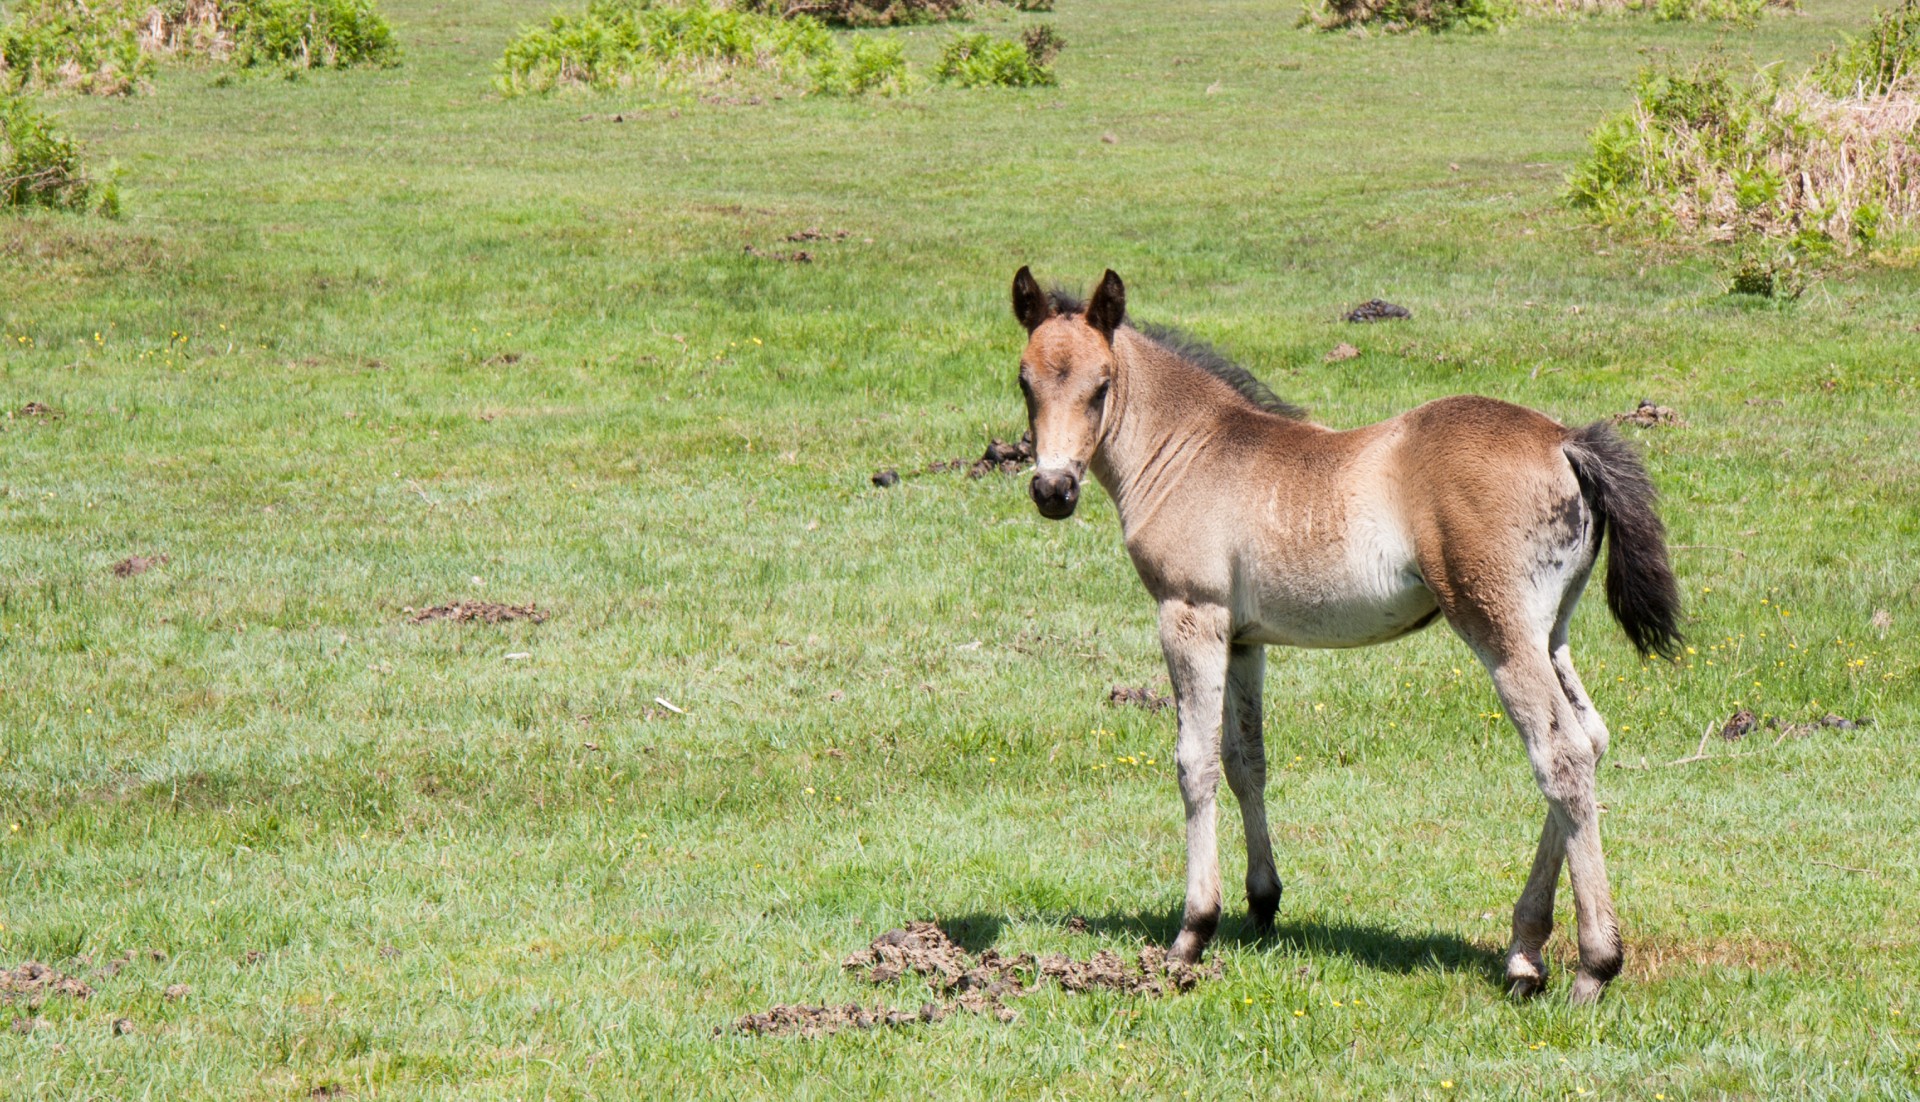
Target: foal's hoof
x=1186 y=949
x=1586 y=990
x=1526 y=977
x=1526 y=987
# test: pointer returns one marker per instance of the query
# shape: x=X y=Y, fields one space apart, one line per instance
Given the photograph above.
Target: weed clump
x=882 y=13
x=983 y=61
x=876 y=66
x=40 y=167
x=620 y=43
x=862 y=13
x=1401 y=16
x=1884 y=58
x=108 y=47
x=1705 y=153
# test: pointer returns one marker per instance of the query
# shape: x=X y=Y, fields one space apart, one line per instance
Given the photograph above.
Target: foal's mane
x=1197 y=352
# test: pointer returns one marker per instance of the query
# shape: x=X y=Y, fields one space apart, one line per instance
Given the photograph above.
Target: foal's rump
x=1508 y=508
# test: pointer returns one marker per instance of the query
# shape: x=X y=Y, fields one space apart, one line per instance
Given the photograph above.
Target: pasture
x=367 y=342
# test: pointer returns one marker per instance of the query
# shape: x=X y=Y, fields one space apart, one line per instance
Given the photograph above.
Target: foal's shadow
x=1372 y=946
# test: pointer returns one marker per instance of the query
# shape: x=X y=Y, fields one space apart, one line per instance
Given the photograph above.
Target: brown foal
x=1252 y=527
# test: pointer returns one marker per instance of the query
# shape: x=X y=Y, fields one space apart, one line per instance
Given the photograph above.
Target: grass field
x=371 y=341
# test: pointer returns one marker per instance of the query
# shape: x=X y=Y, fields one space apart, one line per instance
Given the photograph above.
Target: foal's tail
x=1640 y=587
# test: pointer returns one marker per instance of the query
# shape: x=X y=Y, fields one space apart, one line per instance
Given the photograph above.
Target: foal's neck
x=1166 y=417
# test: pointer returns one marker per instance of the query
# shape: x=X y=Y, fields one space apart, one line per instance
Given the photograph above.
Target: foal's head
x=1065 y=373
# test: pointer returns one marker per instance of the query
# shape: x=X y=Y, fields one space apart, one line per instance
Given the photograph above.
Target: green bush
x=1705 y=154
x=108 y=47
x=1400 y=16
x=982 y=61
x=1873 y=63
x=875 y=66
x=92 y=49
x=862 y=13
x=40 y=167
x=1717 y=11
x=310 y=34
x=615 y=43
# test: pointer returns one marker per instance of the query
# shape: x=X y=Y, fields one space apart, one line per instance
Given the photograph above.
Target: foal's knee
x=1199 y=771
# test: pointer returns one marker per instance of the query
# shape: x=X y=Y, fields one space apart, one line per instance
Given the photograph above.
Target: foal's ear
x=1109 y=305
x=1030 y=304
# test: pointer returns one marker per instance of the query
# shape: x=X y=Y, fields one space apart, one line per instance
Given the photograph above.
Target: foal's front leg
x=1194 y=638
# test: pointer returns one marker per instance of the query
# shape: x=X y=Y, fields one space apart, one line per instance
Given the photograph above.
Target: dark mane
x=1198 y=353
x=1211 y=360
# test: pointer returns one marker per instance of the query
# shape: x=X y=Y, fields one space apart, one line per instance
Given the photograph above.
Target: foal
x=1251 y=526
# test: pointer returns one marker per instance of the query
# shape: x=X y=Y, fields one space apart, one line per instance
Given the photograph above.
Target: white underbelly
x=1369 y=593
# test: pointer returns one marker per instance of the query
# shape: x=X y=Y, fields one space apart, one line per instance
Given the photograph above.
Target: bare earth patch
x=39 y=410
x=1377 y=309
x=135 y=565
x=975 y=985
x=1342 y=351
x=1650 y=415
x=484 y=612
x=1142 y=697
x=34 y=983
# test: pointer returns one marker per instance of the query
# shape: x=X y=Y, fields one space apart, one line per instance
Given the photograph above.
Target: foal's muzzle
x=1056 y=493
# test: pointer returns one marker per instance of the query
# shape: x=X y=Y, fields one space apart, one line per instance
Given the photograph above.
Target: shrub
x=310 y=34
x=1873 y=64
x=66 y=44
x=108 y=46
x=862 y=13
x=881 y=13
x=1043 y=43
x=40 y=167
x=1399 y=16
x=982 y=61
x=616 y=43
x=1705 y=154
x=873 y=65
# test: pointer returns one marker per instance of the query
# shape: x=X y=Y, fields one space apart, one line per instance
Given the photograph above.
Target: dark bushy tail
x=1640 y=586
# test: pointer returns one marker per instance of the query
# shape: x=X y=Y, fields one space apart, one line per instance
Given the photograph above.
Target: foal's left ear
x=1108 y=307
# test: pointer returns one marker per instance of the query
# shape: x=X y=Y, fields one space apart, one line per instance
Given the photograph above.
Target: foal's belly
x=1345 y=609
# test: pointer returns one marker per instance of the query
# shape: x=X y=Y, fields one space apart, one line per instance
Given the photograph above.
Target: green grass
x=364 y=337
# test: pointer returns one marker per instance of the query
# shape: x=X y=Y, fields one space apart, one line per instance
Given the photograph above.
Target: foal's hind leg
x=1533 y=914
x=1194 y=638
x=1243 y=751
x=1564 y=759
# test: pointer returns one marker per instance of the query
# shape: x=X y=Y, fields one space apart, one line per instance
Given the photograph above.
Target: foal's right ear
x=1030 y=303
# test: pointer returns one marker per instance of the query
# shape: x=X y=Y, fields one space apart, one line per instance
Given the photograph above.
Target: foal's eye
x=1100 y=395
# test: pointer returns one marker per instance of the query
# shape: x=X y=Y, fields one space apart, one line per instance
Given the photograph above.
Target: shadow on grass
x=1372 y=946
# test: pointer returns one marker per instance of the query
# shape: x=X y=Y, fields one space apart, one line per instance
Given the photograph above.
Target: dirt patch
x=970 y=984
x=39 y=410
x=484 y=612
x=34 y=983
x=1738 y=725
x=1342 y=351
x=1142 y=697
x=135 y=565
x=797 y=256
x=1826 y=722
x=1649 y=414
x=1377 y=309
x=819 y=1021
x=999 y=457
x=815 y=233
x=1003 y=457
